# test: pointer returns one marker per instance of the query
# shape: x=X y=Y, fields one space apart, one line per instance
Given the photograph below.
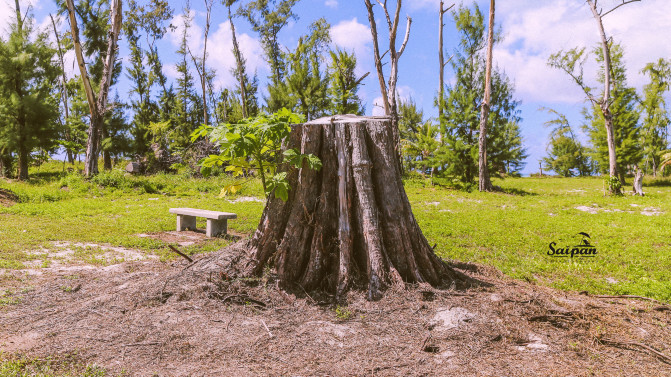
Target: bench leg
x=216 y=227
x=186 y=222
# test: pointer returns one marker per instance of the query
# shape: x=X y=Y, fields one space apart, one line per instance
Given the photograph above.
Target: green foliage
x=268 y=19
x=566 y=155
x=613 y=183
x=420 y=151
x=462 y=102
x=63 y=366
x=625 y=115
x=343 y=313
x=253 y=145
x=28 y=101
x=655 y=116
x=343 y=84
x=304 y=88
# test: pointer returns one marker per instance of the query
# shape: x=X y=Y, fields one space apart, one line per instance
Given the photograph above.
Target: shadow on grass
x=513 y=191
x=658 y=182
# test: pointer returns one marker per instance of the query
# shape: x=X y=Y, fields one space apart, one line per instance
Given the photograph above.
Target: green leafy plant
x=253 y=145
x=614 y=184
x=343 y=313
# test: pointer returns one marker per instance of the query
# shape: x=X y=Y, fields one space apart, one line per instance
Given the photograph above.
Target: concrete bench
x=216 y=221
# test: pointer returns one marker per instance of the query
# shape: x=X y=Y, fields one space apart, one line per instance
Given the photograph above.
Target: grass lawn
x=510 y=231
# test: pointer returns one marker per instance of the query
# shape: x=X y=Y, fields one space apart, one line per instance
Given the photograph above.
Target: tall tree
x=187 y=114
x=27 y=102
x=268 y=18
x=64 y=92
x=200 y=62
x=240 y=69
x=305 y=86
x=655 y=126
x=97 y=105
x=441 y=59
x=462 y=107
x=484 y=183
x=344 y=84
x=624 y=117
x=572 y=61
x=144 y=70
x=388 y=90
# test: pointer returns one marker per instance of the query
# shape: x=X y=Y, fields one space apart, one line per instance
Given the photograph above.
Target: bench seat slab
x=203 y=213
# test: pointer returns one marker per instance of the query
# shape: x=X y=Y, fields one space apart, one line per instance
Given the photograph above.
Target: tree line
x=628 y=131
x=476 y=134
x=43 y=111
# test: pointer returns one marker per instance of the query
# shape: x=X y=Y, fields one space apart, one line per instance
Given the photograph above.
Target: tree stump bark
x=350 y=222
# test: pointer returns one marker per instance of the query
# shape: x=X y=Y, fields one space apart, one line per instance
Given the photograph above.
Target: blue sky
x=532 y=31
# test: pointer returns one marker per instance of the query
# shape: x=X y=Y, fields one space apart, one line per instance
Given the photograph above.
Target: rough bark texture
x=240 y=65
x=604 y=104
x=388 y=90
x=64 y=91
x=441 y=62
x=97 y=106
x=484 y=183
x=349 y=223
x=638 y=182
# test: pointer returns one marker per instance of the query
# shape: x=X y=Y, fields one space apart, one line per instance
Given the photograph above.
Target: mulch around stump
x=198 y=319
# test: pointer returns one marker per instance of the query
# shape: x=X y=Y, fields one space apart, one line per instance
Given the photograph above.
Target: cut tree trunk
x=349 y=223
x=638 y=182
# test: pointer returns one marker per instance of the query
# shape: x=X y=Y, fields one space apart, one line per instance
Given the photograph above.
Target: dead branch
x=617 y=6
x=405 y=39
x=267 y=329
x=624 y=344
x=626 y=296
x=180 y=253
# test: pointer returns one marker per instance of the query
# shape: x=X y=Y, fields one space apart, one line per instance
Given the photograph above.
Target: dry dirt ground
x=149 y=318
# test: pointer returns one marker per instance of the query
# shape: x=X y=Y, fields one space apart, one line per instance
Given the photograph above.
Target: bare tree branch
x=617 y=6
x=407 y=36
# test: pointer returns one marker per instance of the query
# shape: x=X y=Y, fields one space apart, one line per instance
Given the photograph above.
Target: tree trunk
x=484 y=183
x=605 y=102
x=23 y=163
x=93 y=145
x=5 y=165
x=97 y=106
x=441 y=63
x=349 y=223
x=107 y=158
x=638 y=182
x=239 y=64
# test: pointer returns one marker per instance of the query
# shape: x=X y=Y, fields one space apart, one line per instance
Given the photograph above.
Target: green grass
x=509 y=230
x=512 y=231
x=64 y=366
x=112 y=209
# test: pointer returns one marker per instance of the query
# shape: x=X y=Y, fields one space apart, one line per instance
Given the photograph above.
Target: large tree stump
x=349 y=222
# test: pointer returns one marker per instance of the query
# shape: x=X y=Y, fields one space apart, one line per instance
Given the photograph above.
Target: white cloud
x=331 y=3
x=194 y=35
x=8 y=13
x=221 y=57
x=352 y=35
x=534 y=30
x=219 y=50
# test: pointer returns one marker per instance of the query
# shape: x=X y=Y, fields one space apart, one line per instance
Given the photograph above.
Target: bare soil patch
x=180 y=319
x=8 y=198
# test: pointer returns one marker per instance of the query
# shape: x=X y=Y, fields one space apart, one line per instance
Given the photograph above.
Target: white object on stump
x=216 y=221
